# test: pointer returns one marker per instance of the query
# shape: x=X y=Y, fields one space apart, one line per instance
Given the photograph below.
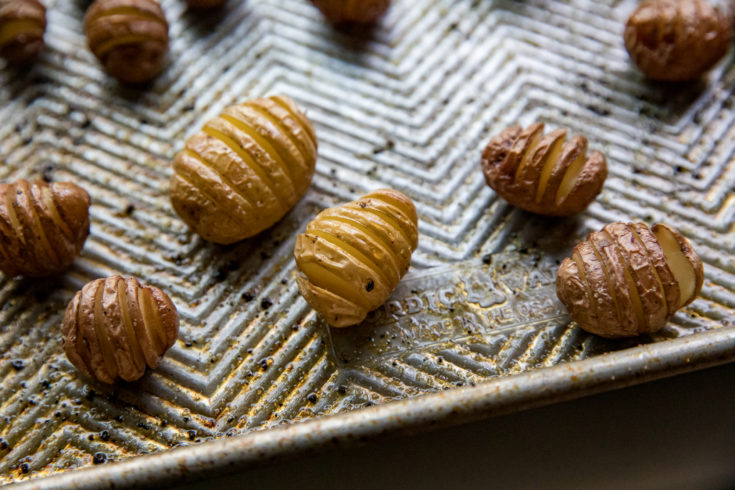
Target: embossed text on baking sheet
x=455 y=303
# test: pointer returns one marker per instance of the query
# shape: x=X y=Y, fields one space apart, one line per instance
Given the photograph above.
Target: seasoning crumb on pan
x=245 y=169
x=113 y=328
x=629 y=279
x=678 y=40
x=129 y=38
x=43 y=226
x=543 y=174
x=22 y=25
x=351 y=257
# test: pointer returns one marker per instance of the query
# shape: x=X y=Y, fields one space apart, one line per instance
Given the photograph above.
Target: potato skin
x=677 y=40
x=43 y=226
x=129 y=38
x=113 y=328
x=205 y=4
x=22 y=26
x=618 y=283
x=245 y=169
x=506 y=151
x=352 y=11
x=351 y=257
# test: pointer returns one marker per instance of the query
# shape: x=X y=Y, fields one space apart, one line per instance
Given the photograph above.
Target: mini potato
x=22 y=26
x=629 y=279
x=113 y=328
x=678 y=40
x=244 y=170
x=357 y=11
x=543 y=174
x=352 y=257
x=129 y=38
x=43 y=226
x=205 y=4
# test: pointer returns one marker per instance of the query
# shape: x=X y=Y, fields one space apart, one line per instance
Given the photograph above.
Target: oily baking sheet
x=474 y=329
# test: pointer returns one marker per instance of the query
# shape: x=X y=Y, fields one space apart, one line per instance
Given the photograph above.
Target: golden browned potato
x=629 y=279
x=543 y=174
x=129 y=38
x=42 y=227
x=114 y=327
x=352 y=257
x=205 y=4
x=245 y=169
x=22 y=26
x=677 y=40
x=359 y=11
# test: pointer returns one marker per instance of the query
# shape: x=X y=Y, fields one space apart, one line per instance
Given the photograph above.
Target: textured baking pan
x=474 y=330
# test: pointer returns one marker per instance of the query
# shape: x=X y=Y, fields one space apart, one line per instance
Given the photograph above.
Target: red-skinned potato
x=113 y=328
x=678 y=40
x=629 y=279
x=22 y=26
x=43 y=226
x=205 y=4
x=129 y=38
x=352 y=11
x=543 y=173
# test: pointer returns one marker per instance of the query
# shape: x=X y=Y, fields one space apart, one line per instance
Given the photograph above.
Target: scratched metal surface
x=409 y=105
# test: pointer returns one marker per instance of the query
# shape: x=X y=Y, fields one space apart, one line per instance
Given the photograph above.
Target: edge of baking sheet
x=499 y=396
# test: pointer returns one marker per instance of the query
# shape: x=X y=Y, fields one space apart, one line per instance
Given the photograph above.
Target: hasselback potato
x=22 y=26
x=113 y=328
x=43 y=226
x=629 y=279
x=351 y=257
x=245 y=169
x=358 y=11
x=678 y=40
x=129 y=38
x=543 y=174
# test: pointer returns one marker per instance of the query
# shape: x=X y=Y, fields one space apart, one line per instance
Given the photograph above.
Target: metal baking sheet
x=408 y=104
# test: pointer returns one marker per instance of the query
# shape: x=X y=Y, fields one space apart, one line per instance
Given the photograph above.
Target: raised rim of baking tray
x=499 y=396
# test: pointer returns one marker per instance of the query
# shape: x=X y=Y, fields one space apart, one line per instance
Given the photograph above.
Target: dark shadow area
x=677 y=433
x=204 y=21
x=352 y=37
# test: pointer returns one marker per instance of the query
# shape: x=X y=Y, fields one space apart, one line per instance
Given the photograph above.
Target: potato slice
x=683 y=262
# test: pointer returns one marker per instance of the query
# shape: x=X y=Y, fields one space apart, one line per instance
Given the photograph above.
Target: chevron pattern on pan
x=408 y=105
